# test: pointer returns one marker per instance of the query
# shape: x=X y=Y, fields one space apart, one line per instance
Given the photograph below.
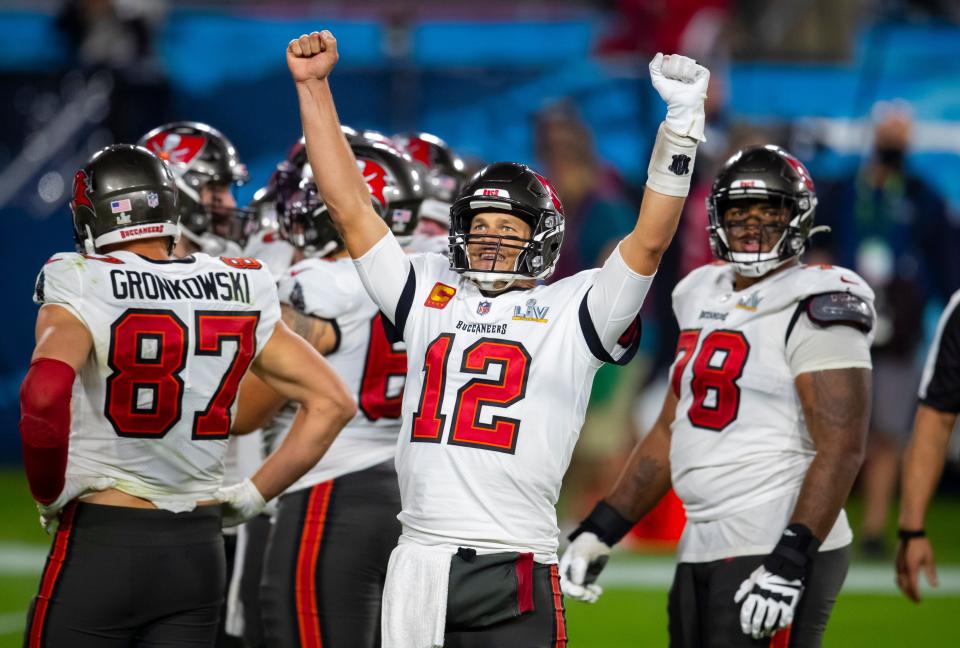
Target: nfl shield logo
x=152 y=200
x=483 y=308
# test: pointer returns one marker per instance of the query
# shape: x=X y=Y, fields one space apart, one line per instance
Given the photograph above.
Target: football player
x=127 y=406
x=927 y=451
x=499 y=367
x=763 y=430
x=335 y=527
x=206 y=167
x=445 y=175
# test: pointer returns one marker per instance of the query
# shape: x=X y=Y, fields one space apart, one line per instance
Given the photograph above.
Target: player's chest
x=729 y=351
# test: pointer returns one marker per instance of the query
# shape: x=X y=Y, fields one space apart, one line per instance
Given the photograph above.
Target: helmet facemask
x=530 y=261
x=778 y=242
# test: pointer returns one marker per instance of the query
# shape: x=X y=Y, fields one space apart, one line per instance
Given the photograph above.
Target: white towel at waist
x=415 y=596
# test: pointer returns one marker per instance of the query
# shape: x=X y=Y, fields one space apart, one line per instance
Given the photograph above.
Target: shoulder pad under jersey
x=828 y=309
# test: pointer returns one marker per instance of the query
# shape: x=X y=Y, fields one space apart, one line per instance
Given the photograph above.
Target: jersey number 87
x=148 y=352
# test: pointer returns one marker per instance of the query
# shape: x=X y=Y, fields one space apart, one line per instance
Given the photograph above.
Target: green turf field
x=632 y=611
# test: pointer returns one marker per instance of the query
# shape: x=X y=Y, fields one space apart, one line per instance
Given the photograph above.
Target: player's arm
x=682 y=84
x=828 y=351
x=621 y=286
x=922 y=467
x=927 y=451
x=63 y=343
x=258 y=402
x=311 y=58
x=836 y=408
x=381 y=263
x=642 y=483
x=292 y=368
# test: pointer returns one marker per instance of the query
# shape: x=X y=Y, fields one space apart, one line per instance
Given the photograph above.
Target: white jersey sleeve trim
x=613 y=303
x=815 y=348
x=930 y=365
x=387 y=275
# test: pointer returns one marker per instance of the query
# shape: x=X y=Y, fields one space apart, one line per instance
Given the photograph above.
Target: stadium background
x=804 y=73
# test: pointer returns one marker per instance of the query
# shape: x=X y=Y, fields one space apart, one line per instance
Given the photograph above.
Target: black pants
x=258 y=531
x=703 y=614
x=122 y=577
x=544 y=627
x=326 y=561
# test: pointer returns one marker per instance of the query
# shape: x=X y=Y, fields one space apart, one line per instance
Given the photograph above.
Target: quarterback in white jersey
x=499 y=368
x=127 y=406
x=327 y=556
x=762 y=431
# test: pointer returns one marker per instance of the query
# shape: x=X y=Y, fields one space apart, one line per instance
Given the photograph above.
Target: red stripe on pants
x=308 y=618
x=781 y=638
x=561 y=623
x=58 y=552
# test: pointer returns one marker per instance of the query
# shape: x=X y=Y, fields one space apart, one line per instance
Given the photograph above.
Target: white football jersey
x=365 y=359
x=496 y=391
x=739 y=438
x=274 y=251
x=152 y=406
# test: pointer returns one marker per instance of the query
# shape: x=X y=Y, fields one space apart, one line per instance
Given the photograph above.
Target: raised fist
x=682 y=84
x=312 y=56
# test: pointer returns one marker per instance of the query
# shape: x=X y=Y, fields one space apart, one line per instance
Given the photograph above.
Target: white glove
x=240 y=502
x=73 y=488
x=682 y=84
x=770 y=602
x=580 y=565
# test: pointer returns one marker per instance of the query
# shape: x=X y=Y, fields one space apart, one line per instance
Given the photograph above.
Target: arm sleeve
x=940 y=385
x=811 y=347
x=388 y=276
x=609 y=313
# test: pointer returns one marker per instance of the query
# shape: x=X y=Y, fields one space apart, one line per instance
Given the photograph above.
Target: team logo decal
x=440 y=296
x=483 y=308
x=81 y=190
x=680 y=165
x=554 y=196
x=153 y=200
x=801 y=171
x=376 y=177
x=419 y=150
x=531 y=312
x=175 y=148
x=750 y=303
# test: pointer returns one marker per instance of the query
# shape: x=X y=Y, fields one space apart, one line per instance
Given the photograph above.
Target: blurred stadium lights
x=82 y=111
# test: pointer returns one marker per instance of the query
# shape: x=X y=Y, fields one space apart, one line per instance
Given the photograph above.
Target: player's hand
x=73 y=488
x=682 y=84
x=240 y=502
x=912 y=556
x=580 y=565
x=768 y=602
x=312 y=57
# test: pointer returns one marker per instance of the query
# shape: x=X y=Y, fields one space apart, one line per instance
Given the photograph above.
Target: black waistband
x=121 y=525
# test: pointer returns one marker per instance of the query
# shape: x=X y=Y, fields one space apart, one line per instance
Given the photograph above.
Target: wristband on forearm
x=792 y=555
x=906 y=535
x=671 y=163
x=606 y=523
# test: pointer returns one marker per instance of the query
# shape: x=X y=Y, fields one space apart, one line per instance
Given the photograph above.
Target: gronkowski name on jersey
x=364 y=358
x=153 y=405
x=738 y=438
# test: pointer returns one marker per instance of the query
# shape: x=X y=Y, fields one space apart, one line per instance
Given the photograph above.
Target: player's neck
x=741 y=282
x=156 y=248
